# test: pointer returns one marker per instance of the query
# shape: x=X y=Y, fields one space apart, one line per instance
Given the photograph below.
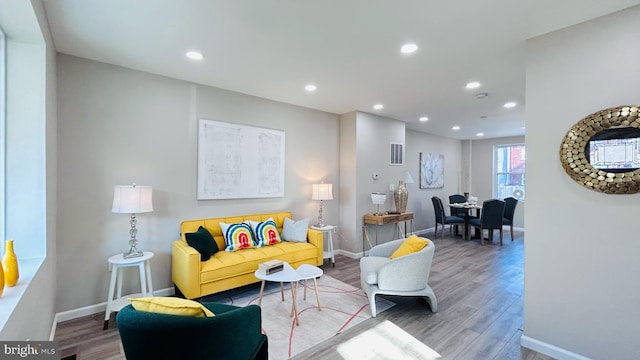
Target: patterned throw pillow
x=237 y=236
x=266 y=232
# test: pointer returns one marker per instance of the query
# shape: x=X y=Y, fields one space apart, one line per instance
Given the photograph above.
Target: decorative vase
x=10 y=264
x=400 y=195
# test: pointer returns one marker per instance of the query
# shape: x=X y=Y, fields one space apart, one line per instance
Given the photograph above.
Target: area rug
x=341 y=307
x=386 y=341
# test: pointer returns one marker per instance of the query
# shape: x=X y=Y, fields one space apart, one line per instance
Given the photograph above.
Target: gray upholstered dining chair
x=443 y=219
x=490 y=219
x=406 y=275
x=509 y=210
x=457 y=199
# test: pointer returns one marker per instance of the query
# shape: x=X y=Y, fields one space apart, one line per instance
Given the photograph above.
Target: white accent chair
x=403 y=276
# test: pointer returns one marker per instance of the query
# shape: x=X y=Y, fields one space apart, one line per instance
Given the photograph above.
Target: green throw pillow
x=202 y=241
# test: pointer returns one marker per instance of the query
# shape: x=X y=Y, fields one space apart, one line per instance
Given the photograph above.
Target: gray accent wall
x=582 y=247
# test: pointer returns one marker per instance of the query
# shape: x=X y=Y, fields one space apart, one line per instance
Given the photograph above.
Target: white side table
x=118 y=262
x=329 y=230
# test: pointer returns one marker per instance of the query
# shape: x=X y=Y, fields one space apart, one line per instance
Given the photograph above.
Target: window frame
x=3 y=138
x=494 y=189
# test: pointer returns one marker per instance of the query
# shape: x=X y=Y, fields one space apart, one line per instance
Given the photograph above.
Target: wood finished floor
x=479 y=291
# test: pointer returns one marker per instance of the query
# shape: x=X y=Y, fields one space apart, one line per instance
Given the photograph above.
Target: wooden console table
x=384 y=219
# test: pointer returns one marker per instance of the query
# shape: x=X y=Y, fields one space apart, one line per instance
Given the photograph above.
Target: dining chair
x=457 y=199
x=509 y=210
x=490 y=219
x=443 y=219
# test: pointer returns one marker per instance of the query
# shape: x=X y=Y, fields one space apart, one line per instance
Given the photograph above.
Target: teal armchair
x=234 y=333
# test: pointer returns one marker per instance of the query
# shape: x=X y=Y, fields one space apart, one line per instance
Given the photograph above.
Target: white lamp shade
x=408 y=179
x=322 y=192
x=378 y=198
x=132 y=199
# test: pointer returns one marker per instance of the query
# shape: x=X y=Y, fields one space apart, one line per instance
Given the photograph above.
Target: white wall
x=117 y=126
x=482 y=171
x=581 y=250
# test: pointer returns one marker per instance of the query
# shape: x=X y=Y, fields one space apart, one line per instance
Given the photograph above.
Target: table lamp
x=378 y=199
x=132 y=199
x=321 y=192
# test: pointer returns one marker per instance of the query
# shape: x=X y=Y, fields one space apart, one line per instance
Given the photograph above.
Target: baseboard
x=348 y=254
x=550 y=350
x=97 y=308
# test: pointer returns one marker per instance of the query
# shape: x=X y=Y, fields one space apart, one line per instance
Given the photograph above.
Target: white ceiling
x=348 y=48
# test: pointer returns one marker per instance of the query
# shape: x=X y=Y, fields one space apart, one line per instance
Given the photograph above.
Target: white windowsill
x=12 y=295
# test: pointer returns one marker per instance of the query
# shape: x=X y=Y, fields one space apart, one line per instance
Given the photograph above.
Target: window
x=2 y=137
x=509 y=180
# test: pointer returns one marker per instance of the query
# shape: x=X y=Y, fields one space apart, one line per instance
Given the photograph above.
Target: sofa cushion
x=265 y=232
x=412 y=244
x=202 y=241
x=295 y=230
x=170 y=305
x=237 y=236
x=223 y=265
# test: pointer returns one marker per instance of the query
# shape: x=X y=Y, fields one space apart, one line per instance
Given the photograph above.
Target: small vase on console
x=10 y=264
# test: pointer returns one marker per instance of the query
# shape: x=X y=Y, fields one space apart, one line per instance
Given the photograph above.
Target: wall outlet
x=392 y=187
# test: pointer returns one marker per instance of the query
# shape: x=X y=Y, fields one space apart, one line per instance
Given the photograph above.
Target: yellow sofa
x=227 y=270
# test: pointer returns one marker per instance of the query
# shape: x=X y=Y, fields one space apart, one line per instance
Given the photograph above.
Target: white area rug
x=342 y=306
x=386 y=341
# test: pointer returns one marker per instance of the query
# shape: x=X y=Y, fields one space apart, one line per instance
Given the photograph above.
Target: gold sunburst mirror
x=602 y=151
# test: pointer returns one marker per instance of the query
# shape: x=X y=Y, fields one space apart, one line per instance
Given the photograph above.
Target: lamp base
x=132 y=253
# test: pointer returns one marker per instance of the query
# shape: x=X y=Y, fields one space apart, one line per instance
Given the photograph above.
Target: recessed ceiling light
x=481 y=95
x=310 y=87
x=378 y=106
x=408 y=48
x=472 y=85
x=510 y=105
x=424 y=118
x=194 y=55
x=455 y=127
x=480 y=134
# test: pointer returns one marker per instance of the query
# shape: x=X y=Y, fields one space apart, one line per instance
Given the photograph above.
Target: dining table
x=468 y=209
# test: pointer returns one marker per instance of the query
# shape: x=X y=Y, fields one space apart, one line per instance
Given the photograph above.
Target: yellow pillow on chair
x=170 y=305
x=412 y=244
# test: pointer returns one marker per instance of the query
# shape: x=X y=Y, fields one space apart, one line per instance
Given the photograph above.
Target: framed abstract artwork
x=239 y=161
x=431 y=171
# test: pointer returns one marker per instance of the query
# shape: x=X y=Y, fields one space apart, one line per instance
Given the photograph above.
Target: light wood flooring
x=479 y=291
